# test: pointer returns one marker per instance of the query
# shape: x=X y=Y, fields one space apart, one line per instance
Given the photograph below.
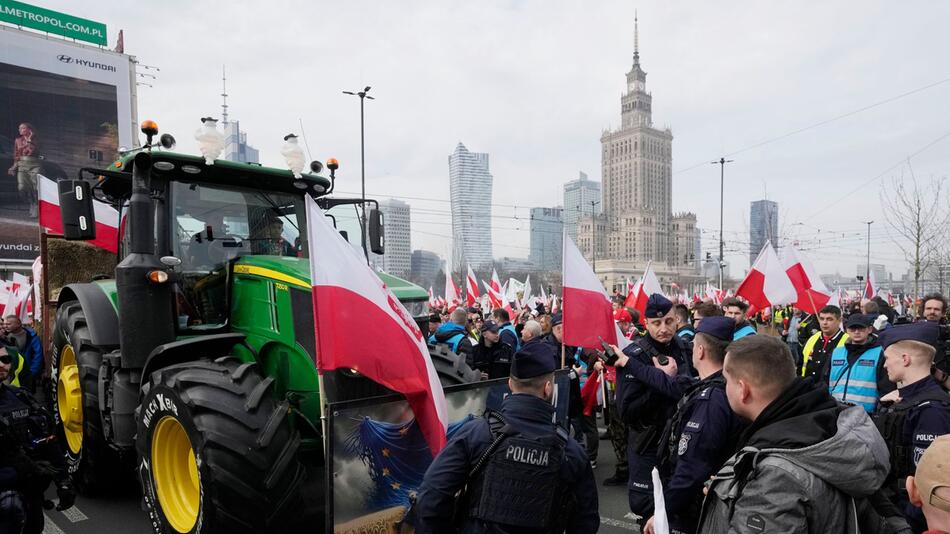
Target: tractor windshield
x=214 y=224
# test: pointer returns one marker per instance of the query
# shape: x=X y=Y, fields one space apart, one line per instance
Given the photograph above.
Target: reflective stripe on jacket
x=855 y=383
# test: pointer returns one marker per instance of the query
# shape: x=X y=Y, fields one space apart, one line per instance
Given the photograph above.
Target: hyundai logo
x=85 y=63
x=64 y=58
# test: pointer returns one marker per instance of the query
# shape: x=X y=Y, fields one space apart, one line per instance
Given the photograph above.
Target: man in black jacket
x=491 y=356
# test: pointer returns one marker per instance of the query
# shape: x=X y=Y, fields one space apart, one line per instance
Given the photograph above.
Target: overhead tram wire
x=819 y=124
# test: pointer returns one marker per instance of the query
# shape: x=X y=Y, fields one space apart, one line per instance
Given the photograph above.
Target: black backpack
x=890 y=423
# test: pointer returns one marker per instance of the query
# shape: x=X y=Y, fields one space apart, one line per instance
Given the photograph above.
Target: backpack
x=890 y=423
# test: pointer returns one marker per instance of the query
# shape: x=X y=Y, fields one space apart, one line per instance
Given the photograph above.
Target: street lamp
x=722 y=180
x=868 y=272
x=363 y=96
x=593 y=235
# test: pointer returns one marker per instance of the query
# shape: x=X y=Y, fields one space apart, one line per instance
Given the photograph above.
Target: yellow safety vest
x=810 y=347
x=19 y=368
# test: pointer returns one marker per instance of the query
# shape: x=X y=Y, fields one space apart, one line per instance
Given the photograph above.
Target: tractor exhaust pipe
x=146 y=314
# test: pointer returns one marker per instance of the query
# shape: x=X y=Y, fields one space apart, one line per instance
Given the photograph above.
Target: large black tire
x=244 y=466
x=451 y=368
x=93 y=464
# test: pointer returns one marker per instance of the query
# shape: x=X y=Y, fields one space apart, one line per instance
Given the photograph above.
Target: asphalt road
x=122 y=513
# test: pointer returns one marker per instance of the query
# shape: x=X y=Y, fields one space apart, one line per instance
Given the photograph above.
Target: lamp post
x=363 y=96
x=867 y=274
x=593 y=234
x=722 y=188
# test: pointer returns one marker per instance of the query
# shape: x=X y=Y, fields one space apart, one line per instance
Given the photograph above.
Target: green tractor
x=195 y=364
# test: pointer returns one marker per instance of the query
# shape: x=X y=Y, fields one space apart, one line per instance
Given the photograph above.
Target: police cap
x=658 y=306
x=534 y=359
x=490 y=326
x=721 y=328
x=859 y=320
x=924 y=331
x=557 y=319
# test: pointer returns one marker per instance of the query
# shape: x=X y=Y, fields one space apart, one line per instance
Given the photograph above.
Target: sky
x=535 y=83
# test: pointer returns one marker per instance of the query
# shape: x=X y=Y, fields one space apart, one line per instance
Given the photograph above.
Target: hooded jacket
x=447 y=334
x=801 y=467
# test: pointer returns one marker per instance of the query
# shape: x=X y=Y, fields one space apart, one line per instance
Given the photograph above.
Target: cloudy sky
x=534 y=84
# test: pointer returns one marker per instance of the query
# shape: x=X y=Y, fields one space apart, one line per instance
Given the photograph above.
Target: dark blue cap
x=557 y=319
x=923 y=331
x=658 y=306
x=859 y=319
x=490 y=326
x=534 y=359
x=721 y=328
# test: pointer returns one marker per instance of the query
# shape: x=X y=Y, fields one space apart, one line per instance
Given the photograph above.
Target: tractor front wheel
x=217 y=453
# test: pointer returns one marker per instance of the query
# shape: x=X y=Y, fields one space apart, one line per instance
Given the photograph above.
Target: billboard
x=63 y=106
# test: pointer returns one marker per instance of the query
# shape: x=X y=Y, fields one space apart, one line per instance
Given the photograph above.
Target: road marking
x=50 y=527
x=619 y=524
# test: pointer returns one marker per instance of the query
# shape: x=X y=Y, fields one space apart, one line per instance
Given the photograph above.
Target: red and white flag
x=588 y=314
x=648 y=286
x=18 y=293
x=37 y=288
x=767 y=284
x=812 y=293
x=632 y=291
x=870 y=286
x=494 y=297
x=555 y=306
x=453 y=297
x=432 y=299
x=107 y=218
x=526 y=301
x=347 y=292
x=590 y=390
x=471 y=288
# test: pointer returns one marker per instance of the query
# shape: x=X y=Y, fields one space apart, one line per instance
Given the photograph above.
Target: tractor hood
x=296 y=272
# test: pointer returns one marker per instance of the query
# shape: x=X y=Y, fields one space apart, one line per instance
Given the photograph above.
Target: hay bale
x=70 y=262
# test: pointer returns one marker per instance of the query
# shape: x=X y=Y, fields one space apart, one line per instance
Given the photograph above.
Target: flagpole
x=563 y=356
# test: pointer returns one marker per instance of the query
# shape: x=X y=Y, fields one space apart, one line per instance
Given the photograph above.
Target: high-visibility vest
x=855 y=383
x=19 y=369
x=809 y=347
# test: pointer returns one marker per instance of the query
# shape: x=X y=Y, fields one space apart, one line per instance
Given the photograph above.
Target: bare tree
x=919 y=217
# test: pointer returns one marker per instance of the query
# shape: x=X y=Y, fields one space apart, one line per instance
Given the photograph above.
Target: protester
x=454 y=334
x=802 y=460
x=508 y=333
x=435 y=321
x=531 y=331
x=519 y=471
x=818 y=348
x=624 y=321
x=790 y=334
x=737 y=310
x=643 y=410
x=929 y=486
x=27 y=342
x=684 y=326
x=857 y=374
x=935 y=308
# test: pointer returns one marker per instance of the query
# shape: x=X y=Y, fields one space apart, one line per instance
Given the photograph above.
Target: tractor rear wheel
x=217 y=452
x=75 y=402
x=451 y=368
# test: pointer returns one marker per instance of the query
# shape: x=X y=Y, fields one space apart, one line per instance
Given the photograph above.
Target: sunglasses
x=6 y=359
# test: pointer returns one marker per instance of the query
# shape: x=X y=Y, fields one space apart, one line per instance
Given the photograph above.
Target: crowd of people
x=795 y=422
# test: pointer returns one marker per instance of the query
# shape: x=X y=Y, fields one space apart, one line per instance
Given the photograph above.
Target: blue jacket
x=531 y=416
x=856 y=375
x=33 y=353
x=743 y=331
x=510 y=336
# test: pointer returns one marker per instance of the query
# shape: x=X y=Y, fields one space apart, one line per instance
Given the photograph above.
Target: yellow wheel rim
x=69 y=399
x=175 y=472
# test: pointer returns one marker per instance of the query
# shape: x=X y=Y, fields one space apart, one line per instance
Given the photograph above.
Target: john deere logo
x=64 y=58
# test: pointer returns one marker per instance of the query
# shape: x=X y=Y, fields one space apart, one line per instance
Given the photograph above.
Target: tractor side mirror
x=377 y=234
x=75 y=205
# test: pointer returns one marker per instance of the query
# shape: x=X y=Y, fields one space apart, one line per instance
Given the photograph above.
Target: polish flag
x=432 y=299
x=812 y=293
x=495 y=283
x=107 y=218
x=526 y=294
x=544 y=299
x=18 y=291
x=346 y=292
x=589 y=392
x=555 y=307
x=494 y=298
x=649 y=285
x=588 y=315
x=37 y=288
x=767 y=284
x=870 y=286
x=632 y=292
x=471 y=288
x=453 y=297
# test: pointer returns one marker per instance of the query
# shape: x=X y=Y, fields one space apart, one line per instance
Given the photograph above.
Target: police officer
x=702 y=433
x=491 y=356
x=20 y=375
x=644 y=410
x=517 y=470
x=30 y=458
x=923 y=411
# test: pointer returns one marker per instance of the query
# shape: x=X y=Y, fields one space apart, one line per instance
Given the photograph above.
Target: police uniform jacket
x=24 y=429
x=926 y=422
x=532 y=417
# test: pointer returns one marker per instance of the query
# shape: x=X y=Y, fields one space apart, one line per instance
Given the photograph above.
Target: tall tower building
x=578 y=195
x=397 y=260
x=235 y=141
x=763 y=226
x=637 y=224
x=547 y=229
x=470 y=188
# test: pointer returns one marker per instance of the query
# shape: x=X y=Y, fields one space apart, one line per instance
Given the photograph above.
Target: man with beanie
x=643 y=409
x=519 y=471
x=804 y=459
